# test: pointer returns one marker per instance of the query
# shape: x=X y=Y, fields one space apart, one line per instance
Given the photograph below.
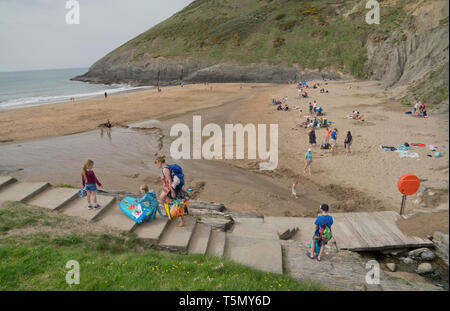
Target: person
x=149 y=199
x=106 y=95
x=308 y=161
x=322 y=221
x=333 y=139
x=348 y=142
x=310 y=108
x=300 y=114
x=294 y=190
x=90 y=182
x=315 y=107
x=319 y=111
x=171 y=187
x=312 y=136
x=327 y=136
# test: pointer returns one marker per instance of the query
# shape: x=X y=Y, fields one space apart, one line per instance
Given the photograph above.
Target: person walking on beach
x=322 y=232
x=312 y=136
x=106 y=95
x=294 y=191
x=348 y=142
x=90 y=182
x=310 y=109
x=308 y=161
x=327 y=136
x=333 y=139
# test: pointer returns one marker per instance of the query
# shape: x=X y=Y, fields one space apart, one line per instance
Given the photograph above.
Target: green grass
x=310 y=33
x=36 y=261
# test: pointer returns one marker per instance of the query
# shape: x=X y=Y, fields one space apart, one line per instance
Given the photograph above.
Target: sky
x=34 y=34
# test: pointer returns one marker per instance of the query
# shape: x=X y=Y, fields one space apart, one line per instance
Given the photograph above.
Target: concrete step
x=216 y=245
x=53 y=198
x=200 y=239
x=6 y=180
x=178 y=238
x=113 y=217
x=254 y=230
x=78 y=207
x=261 y=254
x=22 y=191
x=152 y=231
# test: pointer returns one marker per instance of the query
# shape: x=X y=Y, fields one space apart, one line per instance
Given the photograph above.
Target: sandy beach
x=51 y=142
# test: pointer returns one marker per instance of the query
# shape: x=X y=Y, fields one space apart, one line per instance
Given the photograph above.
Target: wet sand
x=364 y=181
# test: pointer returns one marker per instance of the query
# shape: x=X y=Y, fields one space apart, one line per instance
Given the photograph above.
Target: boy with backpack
x=322 y=233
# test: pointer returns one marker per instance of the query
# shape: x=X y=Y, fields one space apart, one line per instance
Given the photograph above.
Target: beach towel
x=403 y=147
x=407 y=154
x=418 y=144
x=385 y=148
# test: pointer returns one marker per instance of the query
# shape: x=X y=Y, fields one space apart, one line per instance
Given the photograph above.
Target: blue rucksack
x=176 y=170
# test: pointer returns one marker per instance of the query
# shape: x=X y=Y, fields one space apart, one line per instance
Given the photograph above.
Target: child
x=327 y=136
x=308 y=161
x=301 y=114
x=148 y=198
x=294 y=191
x=323 y=220
x=90 y=183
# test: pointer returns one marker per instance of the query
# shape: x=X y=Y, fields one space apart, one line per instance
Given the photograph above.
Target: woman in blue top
x=308 y=161
x=323 y=219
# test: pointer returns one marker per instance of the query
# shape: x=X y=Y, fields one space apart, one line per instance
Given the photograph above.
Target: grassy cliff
x=312 y=34
x=285 y=40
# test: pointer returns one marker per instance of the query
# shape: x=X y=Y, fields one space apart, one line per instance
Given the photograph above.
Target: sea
x=42 y=87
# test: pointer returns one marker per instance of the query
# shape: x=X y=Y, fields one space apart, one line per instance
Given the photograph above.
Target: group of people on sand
x=281 y=106
x=419 y=110
x=172 y=187
x=356 y=115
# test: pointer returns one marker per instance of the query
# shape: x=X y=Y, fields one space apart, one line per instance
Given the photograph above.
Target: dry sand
x=365 y=180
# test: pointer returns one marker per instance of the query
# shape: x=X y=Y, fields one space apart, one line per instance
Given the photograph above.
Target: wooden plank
x=353 y=233
x=342 y=236
x=370 y=241
x=371 y=230
x=383 y=232
x=396 y=240
x=390 y=220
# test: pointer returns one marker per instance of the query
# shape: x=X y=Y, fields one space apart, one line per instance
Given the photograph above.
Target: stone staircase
x=259 y=248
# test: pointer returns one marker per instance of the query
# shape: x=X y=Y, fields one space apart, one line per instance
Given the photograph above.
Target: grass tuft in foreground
x=34 y=249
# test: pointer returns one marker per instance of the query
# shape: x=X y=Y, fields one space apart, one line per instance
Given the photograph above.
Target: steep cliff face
x=417 y=48
x=286 y=40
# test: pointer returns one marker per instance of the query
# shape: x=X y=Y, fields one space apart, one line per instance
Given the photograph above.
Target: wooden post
x=402 y=210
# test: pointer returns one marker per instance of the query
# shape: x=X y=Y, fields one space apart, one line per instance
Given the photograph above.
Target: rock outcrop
x=166 y=72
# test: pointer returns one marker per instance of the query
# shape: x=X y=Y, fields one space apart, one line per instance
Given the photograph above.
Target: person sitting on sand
x=322 y=221
x=308 y=161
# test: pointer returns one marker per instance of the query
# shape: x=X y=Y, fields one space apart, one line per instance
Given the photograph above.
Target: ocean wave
x=45 y=100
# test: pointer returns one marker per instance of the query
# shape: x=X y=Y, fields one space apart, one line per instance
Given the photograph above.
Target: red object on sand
x=418 y=144
x=408 y=184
